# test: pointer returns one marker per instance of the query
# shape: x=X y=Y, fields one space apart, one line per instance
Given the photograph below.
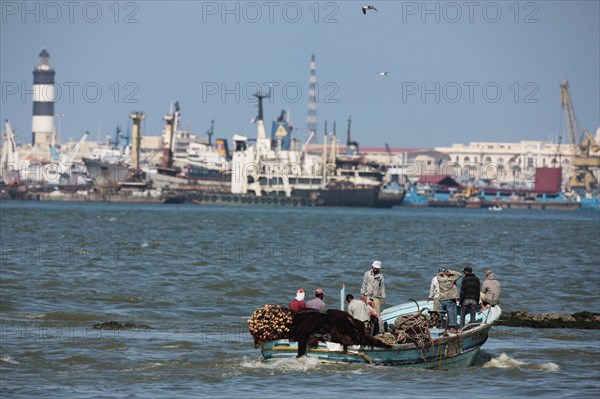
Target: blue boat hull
x=453 y=351
x=446 y=350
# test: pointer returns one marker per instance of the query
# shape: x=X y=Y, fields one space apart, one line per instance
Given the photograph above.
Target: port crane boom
x=583 y=159
x=567 y=104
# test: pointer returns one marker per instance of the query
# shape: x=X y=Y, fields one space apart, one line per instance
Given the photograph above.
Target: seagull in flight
x=366 y=8
x=384 y=73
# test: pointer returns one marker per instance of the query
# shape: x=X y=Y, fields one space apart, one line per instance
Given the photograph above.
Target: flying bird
x=366 y=8
x=384 y=73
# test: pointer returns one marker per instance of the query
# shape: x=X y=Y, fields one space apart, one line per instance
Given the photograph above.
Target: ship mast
x=351 y=146
x=324 y=160
x=211 y=132
x=333 y=146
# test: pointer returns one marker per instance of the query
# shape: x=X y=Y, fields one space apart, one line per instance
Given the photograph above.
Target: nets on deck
x=270 y=322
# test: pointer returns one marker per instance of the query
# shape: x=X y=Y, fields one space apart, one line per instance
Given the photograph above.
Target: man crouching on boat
x=359 y=310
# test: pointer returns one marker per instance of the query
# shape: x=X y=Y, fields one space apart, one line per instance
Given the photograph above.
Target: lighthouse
x=43 y=102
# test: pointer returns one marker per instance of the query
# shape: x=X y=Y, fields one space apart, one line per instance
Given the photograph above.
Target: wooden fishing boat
x=444 y=350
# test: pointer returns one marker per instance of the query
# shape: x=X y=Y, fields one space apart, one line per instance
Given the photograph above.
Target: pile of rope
x=387 y=338
x=270 y=322
x=412 y=328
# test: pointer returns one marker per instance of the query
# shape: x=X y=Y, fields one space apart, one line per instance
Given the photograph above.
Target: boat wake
x=304 y=363
x=505 y=361
x=8 y=359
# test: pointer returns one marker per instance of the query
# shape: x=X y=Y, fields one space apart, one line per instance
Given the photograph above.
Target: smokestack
x=136 y=139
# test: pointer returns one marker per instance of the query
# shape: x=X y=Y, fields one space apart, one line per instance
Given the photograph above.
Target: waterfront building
x=504 y=163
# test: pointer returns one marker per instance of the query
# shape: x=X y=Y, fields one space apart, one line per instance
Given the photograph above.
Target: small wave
x=247 y=292
x=8 y=359
x=505 y=361
x=32 y=315
x=112 y=219
x=114 y=345
x=180 y=345
x=146 y=366
x=550 y=366
x=220 y=285
x=4 y=307
x=70 y=316
x=79 y=359
x=301 y=364
x=121 y=299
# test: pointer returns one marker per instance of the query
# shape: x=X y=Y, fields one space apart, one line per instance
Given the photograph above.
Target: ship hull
x=200 y=173
x=371 y=197
x=105 y=173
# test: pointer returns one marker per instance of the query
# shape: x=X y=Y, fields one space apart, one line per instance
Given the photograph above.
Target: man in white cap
x=434 y=289
x=373 y=286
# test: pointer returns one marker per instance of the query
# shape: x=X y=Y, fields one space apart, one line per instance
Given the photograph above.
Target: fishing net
x=270 y=322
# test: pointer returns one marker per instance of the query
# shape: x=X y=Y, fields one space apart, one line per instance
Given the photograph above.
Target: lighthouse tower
x=43 y=102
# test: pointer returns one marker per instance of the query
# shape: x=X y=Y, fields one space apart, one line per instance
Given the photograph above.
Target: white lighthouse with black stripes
x=44 y=94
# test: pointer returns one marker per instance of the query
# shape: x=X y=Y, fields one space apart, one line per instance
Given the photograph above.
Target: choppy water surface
x=194 y=275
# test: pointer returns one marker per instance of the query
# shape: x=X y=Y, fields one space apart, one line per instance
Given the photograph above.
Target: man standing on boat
x=373 y=286
x=449 y=296
x=469 y=295
x=434 y=290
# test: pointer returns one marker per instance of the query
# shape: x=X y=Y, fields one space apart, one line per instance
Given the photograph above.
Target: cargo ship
x=278 y=167
x=271 y=170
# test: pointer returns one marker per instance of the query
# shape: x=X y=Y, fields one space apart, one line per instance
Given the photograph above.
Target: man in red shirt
x=298 y=302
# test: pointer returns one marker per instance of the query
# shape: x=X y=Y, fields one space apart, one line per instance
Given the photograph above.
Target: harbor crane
x=9 y=169
x=584 y=158
x=389 y=152
x=69 y=159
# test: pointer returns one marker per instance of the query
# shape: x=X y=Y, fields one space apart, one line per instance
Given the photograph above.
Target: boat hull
x=456 y=350
x=105 y=173
x=447 y=350
x=371 y=197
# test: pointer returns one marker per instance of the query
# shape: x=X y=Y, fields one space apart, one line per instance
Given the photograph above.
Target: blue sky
x=460 y=71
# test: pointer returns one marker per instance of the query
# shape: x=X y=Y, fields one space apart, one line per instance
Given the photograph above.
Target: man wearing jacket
x=373 y=286
x=449 y=295
x=490 y=290
x=469 y=295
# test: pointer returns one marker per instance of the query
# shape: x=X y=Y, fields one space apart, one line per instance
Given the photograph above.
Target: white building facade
x=506 y=163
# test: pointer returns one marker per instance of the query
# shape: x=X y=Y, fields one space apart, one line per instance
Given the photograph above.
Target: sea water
x=190 y=276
